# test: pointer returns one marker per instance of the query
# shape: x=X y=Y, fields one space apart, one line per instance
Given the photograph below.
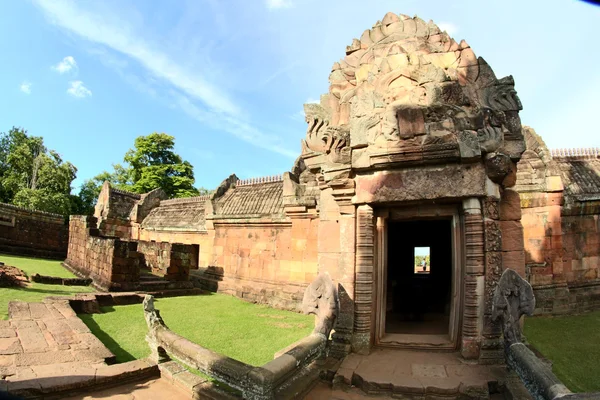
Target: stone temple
x=417 y=144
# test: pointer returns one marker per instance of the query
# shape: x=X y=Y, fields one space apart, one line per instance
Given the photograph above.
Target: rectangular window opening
x=422 y=260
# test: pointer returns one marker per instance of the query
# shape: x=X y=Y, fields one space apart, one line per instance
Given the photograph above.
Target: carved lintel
x=513 y=298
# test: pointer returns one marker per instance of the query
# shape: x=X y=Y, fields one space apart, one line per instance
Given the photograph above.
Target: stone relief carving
x=321 y=299
x=323 y=138
x=513 y=298
x=405 y=80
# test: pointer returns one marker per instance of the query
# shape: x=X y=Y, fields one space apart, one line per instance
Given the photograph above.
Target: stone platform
x=403 y=373
x=45 y=349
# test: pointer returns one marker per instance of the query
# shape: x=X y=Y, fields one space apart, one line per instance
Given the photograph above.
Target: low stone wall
x=32 y=233
x=55 y=280
x=112 y=264
x=172 y=261
x=286 y=377
x=285 y=296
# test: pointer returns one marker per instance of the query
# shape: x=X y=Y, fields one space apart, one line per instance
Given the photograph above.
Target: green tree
x=152 y=163
x=32 y=176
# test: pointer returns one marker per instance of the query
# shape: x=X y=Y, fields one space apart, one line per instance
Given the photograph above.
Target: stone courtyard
x=417 y=143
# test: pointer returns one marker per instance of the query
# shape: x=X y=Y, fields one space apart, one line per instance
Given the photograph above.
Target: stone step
x=144 y=277
x=160 y=285
x=418 y=374
x=153 y=282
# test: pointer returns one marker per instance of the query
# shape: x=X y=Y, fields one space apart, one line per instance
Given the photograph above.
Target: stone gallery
x=416 y=150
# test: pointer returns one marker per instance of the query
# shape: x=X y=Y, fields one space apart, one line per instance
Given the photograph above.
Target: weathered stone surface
x=32 y=233
x=452 y=181
x=513 y=298
x=510 y=206
x=321 y=299
x=12 y=277
x=537 y=376
x=512 y=235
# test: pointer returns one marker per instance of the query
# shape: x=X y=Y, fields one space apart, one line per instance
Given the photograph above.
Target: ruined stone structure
x=115 y=264
x=560 y=205
x=417 y=144
x=32 y=233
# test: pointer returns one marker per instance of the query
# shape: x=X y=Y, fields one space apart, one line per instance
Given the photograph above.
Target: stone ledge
x=53 y=280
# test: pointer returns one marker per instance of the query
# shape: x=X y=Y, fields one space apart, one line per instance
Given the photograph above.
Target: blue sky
x=228 y=78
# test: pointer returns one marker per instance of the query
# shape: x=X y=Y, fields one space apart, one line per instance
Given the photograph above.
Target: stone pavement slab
x=46 y=347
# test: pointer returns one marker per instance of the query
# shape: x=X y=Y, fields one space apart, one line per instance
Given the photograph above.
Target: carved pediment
x=406 y=81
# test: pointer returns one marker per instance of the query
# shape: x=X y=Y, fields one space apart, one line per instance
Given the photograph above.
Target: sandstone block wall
x=560 y=203
x=562 y=255
x=172 y=261
x=32 y=233
x=113 y=211
x=269 y=263
x=111 y=263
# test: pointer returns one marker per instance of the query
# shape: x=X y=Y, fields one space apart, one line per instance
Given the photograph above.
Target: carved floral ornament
x=405 y=80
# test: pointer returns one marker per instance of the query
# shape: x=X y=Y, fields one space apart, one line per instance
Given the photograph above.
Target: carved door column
x=363 y=298
x=474 y=280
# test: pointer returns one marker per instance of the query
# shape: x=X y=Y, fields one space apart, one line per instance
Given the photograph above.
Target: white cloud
x=77 y=89
x=26 y=87
x=298 y=116
x=235 y=127
x=449 y=27
x=97 y=28
x=67 y=64
x=276 y=4
x=217 y=109
x=310 y=100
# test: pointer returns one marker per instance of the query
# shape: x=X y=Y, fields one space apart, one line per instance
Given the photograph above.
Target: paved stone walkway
x=154 y=389
x=46 y=345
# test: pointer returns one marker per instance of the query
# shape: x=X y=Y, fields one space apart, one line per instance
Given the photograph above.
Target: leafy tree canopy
x=152 y=163
x=34 y=177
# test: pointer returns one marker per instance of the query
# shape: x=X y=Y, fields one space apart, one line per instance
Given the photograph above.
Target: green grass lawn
x=230 y=326
x=225 y=324
x=36 y=291
x=573 y=345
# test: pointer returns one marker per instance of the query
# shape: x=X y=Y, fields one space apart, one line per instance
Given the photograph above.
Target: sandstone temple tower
x=414 y=145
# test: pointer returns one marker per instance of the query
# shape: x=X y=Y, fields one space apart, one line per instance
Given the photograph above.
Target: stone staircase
x=153 y=283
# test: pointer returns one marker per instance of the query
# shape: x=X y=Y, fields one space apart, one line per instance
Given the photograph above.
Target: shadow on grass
x=121 y=354
x=45 y=290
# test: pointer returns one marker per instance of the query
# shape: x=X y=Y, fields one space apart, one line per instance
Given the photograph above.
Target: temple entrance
x=419 y=277
x=418 y=280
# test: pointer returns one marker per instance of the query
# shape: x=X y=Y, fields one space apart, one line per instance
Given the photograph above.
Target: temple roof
x=254 y=199
x=178 y=214
x=581 y=177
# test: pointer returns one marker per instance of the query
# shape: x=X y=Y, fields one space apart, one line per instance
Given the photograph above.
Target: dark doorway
x=419 y=277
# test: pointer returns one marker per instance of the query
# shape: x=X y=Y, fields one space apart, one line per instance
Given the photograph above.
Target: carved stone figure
x=321 y=299
x=321 y=137
x=513 y=298
x=154 y=321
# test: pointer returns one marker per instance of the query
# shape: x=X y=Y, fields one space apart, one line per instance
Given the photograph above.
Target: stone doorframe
x=468 y=273
x=383 y=217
